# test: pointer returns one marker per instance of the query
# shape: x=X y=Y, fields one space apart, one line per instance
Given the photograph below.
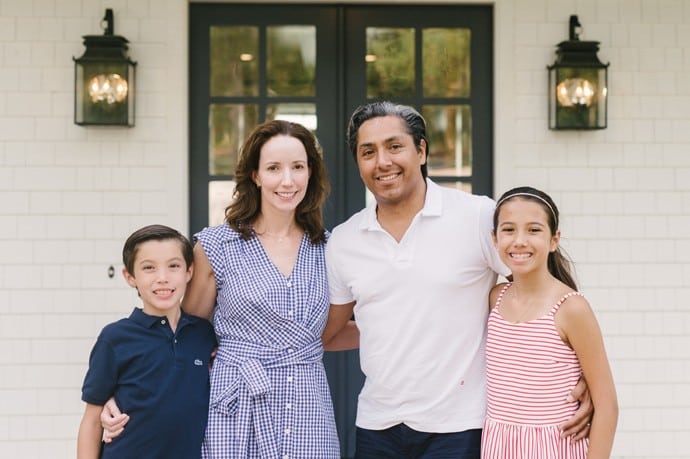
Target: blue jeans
x=401 y=442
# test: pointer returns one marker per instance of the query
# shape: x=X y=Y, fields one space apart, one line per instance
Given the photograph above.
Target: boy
x=155 y=363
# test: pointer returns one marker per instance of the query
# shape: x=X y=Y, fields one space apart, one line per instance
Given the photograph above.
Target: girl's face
x=523 y=237
x=160 y=276
x=283 y=174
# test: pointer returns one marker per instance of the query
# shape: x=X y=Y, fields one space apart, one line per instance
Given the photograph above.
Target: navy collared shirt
x=160 y=378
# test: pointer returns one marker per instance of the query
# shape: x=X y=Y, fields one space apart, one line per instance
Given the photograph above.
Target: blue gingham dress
x=269 y=394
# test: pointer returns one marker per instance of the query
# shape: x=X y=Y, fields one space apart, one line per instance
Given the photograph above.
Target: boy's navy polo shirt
x=159 y=378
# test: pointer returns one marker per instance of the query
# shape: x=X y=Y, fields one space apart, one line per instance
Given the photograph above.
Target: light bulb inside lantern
x=110 y=88
x=574 y=92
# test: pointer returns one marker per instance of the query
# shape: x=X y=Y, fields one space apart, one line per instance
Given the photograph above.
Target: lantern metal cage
x=104 y=80
x=578 y=84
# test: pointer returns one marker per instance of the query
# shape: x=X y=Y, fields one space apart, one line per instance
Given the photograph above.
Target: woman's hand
x=112 y=421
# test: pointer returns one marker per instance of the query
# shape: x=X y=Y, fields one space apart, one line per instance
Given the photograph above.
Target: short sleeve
x=211 y=240
x=339 y=292
x=102 y=376
x=486 y=216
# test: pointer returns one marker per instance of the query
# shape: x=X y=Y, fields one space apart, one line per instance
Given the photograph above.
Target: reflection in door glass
x=291 y=60
x=446 y=62
x=234 y=61
x=304 y=114
x=463 y=186
x=228 y=126
x=219 y=197
x=449 y=128
x=390 y=62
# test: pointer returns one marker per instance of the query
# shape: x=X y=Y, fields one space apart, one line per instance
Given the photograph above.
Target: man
x=416 y=269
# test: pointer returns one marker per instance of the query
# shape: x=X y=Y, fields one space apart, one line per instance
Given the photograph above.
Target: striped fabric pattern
x=530 y=373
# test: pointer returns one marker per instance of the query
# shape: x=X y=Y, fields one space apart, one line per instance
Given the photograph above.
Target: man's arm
x=90 y=433
x=578 y=425
x=112 y=421
x=341 y=333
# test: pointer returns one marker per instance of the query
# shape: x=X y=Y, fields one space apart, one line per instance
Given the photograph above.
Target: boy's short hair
x=154 y=233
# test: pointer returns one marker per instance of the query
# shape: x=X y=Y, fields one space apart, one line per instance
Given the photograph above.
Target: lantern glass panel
x=103 y=92
x=577 y=98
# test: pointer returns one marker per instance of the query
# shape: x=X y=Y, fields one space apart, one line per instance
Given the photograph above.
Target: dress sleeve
x=211 y=241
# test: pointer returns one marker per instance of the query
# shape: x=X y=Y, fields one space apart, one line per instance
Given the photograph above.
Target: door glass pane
x=219 y=196
x=390 y=62
x=446 y=62
x=449 y=128
x=463 y=186
x=304 y=114
x=291 y=60
x=234 y=61
x=229 y=125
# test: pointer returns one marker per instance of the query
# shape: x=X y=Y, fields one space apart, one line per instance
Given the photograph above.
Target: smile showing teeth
x=386 y=178
x=287 y=195
x=163 y=291
x=520 y=255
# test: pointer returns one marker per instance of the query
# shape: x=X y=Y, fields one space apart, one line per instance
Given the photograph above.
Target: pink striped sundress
x=530 y=373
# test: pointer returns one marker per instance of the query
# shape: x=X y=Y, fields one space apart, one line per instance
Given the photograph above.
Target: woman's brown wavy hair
x=246 y=203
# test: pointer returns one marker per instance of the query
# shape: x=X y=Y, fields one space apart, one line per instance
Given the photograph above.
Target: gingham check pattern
x=269 y=394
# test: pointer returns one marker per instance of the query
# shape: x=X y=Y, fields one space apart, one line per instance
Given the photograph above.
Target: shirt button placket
x=289 y=416
x=291 y=297
x=290 y=399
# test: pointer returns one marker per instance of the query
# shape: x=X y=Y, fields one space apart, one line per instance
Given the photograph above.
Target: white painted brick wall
x=70 y=195
x=623 y=193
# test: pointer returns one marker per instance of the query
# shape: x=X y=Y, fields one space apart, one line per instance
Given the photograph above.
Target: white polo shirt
x=421 y=308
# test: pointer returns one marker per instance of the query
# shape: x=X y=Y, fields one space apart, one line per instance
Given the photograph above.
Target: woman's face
x=283 y=173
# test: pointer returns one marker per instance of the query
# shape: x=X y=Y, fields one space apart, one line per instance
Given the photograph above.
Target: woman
x=262 y=277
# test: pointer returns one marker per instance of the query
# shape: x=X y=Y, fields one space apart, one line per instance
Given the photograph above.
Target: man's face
x=388 y=161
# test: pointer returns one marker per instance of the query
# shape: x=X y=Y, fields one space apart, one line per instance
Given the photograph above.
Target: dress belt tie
x=258 y=385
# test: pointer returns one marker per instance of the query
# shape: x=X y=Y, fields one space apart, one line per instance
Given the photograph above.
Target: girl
x=542 y=335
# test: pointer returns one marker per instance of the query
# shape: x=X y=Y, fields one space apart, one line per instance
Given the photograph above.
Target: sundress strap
x=553 y=309
x=560 y=302
x=500 y=295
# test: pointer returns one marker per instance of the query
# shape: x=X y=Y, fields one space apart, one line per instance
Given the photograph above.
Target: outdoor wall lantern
x=104 y=80
x=577 y=84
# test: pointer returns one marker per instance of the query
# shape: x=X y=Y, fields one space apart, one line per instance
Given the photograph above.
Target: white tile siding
x=70 y=195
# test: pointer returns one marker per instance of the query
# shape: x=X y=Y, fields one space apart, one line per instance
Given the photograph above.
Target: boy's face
x=160 y=275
